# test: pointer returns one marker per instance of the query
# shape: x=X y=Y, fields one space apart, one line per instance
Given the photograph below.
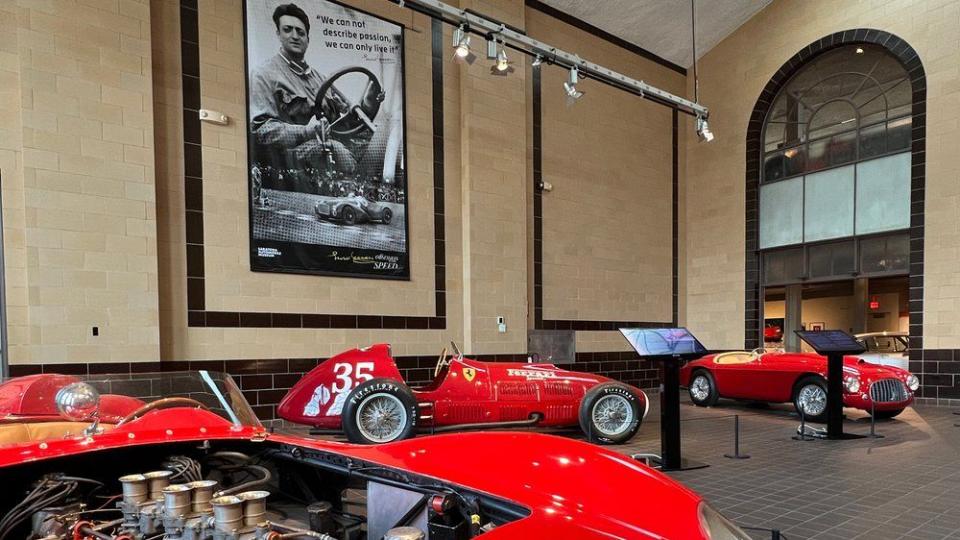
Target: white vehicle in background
x=885 y=348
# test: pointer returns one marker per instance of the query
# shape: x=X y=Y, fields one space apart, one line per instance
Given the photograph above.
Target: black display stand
x=683 y=347
x=834 y=344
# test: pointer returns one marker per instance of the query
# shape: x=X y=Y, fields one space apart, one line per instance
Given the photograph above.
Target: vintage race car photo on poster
x=800 y=378
x=362 y=392
x=351 y=210
x=181 y=456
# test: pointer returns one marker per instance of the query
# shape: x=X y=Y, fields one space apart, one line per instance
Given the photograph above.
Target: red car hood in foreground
x=573 y=489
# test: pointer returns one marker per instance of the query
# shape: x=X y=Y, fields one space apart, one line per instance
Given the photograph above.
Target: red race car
x=361 y=392
x=780 y=377
x=181 y=456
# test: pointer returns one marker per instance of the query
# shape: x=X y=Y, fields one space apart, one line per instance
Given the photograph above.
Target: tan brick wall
x=607 y=236
x=495 y=190
x=91 y=153
x=78 y=185
x=732 y=76
x=230 y=285
x=487 y=189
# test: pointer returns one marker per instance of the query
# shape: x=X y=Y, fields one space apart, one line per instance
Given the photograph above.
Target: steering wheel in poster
x=351 y=117
x=442 y=362
x=164 y=403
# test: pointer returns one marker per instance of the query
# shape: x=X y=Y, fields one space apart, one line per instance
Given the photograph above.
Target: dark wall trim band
x=197 y=314
x=603 y=34
x=537 y=201
x=676 y=217
x=921 y=361
x=539 y=323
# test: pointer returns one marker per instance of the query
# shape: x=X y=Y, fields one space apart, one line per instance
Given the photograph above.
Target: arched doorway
x=834 y=187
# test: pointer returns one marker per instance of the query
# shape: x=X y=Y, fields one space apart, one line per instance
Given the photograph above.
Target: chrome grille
x=888 y=390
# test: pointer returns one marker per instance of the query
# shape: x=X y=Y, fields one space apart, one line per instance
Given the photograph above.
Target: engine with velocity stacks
x=240 y=491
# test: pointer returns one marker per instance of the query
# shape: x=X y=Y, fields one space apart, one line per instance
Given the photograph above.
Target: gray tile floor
x=905 y=485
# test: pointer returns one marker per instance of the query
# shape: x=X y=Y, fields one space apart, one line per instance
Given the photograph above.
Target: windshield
x=886 y=344
x=28 y=405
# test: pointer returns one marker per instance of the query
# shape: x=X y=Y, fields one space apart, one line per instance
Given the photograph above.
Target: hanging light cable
x=703 y=129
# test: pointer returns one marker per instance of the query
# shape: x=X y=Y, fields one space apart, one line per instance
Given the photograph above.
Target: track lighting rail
x=533 y=47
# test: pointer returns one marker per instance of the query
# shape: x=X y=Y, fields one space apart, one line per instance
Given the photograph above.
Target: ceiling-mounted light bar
x=534 y=47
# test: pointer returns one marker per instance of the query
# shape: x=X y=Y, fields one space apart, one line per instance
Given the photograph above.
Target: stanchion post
x=736 y=440
x=774 y=534
x=873 y=420
x=803 y=426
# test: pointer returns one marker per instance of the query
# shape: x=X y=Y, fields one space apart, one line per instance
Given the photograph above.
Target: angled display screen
x=831 y=341
x=663 y=341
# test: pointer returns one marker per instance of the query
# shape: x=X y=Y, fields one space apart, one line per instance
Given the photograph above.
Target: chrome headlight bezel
x=851 y=384
x=713 y=524
x=912 y=382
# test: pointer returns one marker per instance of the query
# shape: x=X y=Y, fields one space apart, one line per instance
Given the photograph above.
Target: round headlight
x=715 y=526
x=852 y=384
x=913 y=383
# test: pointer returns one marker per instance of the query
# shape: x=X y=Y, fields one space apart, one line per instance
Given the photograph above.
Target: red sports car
x=361 y=392
x=780 y=377
x=181 y=456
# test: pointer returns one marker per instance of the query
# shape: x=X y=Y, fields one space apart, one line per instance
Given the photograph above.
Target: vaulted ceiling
x=663 y=26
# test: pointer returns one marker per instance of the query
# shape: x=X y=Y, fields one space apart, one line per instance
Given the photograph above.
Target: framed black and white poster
x=326 y=140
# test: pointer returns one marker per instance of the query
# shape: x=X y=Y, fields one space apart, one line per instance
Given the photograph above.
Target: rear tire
x=810 y=392
x=703 y=389
x=883 y=415
x=610 y=413
x=379 y=411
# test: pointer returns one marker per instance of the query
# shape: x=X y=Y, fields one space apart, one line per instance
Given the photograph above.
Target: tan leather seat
x=37 y=431
x=735 y=357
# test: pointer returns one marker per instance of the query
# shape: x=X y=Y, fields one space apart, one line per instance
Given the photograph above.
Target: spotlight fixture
x=503 y=66
x=537 y=61
x=703 y=130
x=570 y=86
x=859 y=50
x=461 y=46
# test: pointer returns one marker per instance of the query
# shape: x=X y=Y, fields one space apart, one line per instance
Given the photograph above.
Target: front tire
x=348 y=215
x=379 y=411
x=703 y=389
x=810 y=398
x=883 y=415
x=610 y=413
x=386 y=216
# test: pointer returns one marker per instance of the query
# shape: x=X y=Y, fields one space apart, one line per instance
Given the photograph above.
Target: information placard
x=831 y=341
x=663 y=341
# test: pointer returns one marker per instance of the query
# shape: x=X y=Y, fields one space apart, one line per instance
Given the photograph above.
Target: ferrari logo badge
x=469 y=373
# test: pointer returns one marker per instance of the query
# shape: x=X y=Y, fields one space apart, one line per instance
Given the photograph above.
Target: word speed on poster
x=326 y=140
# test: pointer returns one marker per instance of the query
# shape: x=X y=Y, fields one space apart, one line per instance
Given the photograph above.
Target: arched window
x=835 y=174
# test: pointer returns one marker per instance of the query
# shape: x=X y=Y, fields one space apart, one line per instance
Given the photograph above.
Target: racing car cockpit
x=443 y=367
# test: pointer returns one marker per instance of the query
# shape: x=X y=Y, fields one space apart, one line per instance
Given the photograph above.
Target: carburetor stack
x=151 y=505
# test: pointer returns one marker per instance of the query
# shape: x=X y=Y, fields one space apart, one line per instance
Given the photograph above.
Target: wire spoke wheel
x=381 y=417
x=700 y=388
x=812 y=399
x=612 y=415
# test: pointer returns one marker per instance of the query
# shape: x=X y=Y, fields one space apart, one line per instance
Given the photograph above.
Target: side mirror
x=78 y=402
